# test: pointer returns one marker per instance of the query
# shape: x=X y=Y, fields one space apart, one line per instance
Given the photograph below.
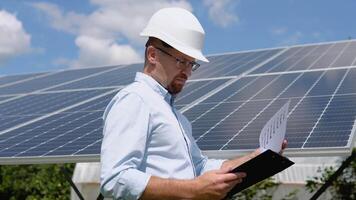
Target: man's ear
x=151 y=55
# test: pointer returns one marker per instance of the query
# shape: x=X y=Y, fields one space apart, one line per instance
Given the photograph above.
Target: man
x=148 y=151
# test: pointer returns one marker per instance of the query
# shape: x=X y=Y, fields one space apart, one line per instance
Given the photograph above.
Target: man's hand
x=216 y=184
x=284 y=145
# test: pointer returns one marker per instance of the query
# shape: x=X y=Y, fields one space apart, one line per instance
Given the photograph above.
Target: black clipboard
x=259 y=168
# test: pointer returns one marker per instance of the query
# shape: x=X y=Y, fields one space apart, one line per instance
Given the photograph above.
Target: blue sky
x=50 y=35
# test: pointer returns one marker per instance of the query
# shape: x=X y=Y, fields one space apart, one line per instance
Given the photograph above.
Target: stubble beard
x=176 y=87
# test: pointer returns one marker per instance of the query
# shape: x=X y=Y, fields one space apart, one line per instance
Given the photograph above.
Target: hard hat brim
x=194 y=53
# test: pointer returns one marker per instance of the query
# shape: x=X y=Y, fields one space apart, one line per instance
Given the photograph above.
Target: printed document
x=273 y=133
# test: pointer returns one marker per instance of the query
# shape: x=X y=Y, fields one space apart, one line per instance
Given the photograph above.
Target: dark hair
x=153 y=41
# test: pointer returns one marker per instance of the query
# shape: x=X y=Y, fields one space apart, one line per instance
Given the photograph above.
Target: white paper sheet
x=273 y=133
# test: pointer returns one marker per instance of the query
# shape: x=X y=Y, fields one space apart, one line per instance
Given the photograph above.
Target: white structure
x=87 y=177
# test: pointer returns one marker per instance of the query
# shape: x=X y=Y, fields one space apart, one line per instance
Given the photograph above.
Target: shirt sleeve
x=201 y=162
x=123 y=147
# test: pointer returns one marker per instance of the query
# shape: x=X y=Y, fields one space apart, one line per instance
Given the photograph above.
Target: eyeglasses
x=182 y=64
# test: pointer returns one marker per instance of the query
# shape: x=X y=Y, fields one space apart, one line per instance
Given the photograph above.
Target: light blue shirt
x=145 y=135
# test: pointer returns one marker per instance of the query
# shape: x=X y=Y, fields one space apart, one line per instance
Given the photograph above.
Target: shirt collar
x=155 y=86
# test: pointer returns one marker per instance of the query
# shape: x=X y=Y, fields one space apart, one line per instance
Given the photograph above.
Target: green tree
x=262 y=190
x=31 y=182
x=344 y=187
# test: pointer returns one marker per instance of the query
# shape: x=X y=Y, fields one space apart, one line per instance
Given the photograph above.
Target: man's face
x=177 y=73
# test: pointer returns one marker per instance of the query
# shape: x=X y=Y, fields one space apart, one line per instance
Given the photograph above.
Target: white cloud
x=286 y=37
x=68 y=22
x=127 y=17
x=106 y=52
x=13 y=38
x=108 y=35
x=292 y=39
x=279 y=31
x=221 y=12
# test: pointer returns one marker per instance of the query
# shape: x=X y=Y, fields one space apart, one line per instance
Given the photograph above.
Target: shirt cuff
x=131 y=184
x=212 y=164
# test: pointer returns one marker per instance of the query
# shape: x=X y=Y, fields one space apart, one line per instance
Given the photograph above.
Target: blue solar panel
x=229 y=115
x=52 y=134
x=76 y=131
x=348 y=86
x=32 y=137
x=232 y=64
x=302 y=85
x=335 y=126
x=347 y=57
x=4 y=80
x=50 y=80
x=122 y=75
x=233 y=118
x=29 y=107
x=193 y=90
x=5 y=97
x=312 y=57
x=37 y=104
x=247 y=135
x=11 y=121
x=241 y=90
x=98 y=104
x=296 y=56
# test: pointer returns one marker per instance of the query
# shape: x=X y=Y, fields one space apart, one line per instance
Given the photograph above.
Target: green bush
x=262 y=190
x=344 y=187
x=32 y=182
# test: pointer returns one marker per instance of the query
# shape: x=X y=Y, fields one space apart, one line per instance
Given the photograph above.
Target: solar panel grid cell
x=117 y=76
x=249 y=137
x=48 y=81
x=279 y=61
x=312 y=57
x=301 y=121
x=234 y=64
x=5 y=80
x=216 y=63
x=348 y=86
x=238 y=86
x=347 y=57
x=228 y=125
x=38 y=104
x=330 y=57
x=336 y=124
x=304 y=61
x=5 y=97
x=194 y=90
x=11 y=121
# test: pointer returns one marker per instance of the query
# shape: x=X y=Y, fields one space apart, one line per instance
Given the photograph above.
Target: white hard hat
x=180 y=29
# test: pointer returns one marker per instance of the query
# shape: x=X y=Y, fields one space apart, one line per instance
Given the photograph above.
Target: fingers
x=232 y=176
x=240 y=175
x=257 y=152
x=228 y=177
x=284 y=145
x=232 y=184
x=219 y=182
x=224 y=170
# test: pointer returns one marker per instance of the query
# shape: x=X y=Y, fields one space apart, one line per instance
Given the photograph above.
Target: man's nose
x=187 y=71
